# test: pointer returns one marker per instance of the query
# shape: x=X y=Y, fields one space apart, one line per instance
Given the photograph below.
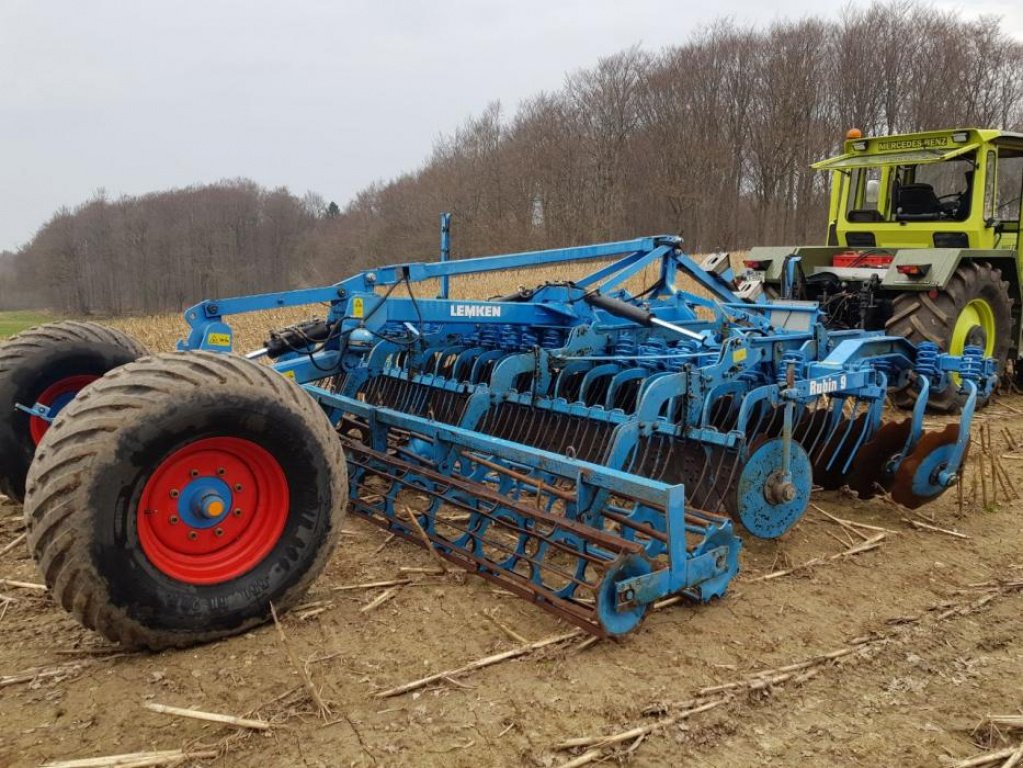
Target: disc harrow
x=574 y=436
x=588 y=446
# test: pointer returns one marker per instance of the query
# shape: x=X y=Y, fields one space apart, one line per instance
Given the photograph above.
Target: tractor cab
x=923 y=242
x=940 y=189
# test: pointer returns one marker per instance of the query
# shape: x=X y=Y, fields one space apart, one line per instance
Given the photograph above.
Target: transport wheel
x=179 y=496
x=974 y=309
x=48 y=365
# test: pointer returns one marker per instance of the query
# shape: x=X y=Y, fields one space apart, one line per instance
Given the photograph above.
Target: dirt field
x=926 y=630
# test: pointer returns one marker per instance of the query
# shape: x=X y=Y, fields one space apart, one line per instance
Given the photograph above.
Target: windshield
x=933 y=192
x=1010 y=185
x=914 y=192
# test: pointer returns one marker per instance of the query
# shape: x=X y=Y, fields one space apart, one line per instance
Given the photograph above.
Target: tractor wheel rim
x=213 y=510
x=977 y=314
x=56 y=397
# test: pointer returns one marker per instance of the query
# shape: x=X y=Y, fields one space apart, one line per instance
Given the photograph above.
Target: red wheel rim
x=55 y=397
x=213 y=510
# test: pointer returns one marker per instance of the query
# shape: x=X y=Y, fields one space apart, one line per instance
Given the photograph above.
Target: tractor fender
x=943 y=263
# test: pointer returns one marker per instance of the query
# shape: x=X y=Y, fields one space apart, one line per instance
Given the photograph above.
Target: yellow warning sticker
x=739 y=355
x=219 y=339
x=288 y=374
x=357 y=307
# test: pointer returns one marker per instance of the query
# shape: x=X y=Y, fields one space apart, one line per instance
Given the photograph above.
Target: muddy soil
x=937 y=644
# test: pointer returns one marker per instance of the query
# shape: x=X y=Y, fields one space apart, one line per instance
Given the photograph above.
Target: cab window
x=933 y=191
x=1010 y=185
x=864 y=190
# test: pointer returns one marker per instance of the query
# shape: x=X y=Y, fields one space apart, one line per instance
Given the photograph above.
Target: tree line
x=711 y=138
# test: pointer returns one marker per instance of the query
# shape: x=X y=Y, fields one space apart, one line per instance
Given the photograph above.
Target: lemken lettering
x=475 y=310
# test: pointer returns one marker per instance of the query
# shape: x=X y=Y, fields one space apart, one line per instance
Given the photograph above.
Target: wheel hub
x=779 y=488
x=212 y=510
x=56 y=397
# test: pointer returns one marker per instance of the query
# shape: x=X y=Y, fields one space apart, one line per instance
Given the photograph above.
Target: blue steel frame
x=555 y=332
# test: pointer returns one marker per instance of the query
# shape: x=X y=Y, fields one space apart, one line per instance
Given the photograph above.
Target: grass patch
x=16 y=321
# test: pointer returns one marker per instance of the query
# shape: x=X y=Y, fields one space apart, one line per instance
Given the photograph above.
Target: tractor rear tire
x=976 y=290
x=184 y=497
x=49 y=363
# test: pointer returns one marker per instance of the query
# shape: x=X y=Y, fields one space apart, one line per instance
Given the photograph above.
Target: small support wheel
x=48 y=366
x=178 y=497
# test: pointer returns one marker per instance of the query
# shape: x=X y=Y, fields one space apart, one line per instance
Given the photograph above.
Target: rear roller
x=43 y=369
x=179 y=496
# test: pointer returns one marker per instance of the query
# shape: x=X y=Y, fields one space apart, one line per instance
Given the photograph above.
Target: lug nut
x=221 y=471
x=237 y=512
x=193 y=472
x=237 y=486
x=173 y=519
x=174 y=493
x=218 y=531
x=192 y=535
x=788 y=492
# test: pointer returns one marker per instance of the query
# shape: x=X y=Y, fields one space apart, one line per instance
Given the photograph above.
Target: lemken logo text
x=475 y=310
x=826 y=385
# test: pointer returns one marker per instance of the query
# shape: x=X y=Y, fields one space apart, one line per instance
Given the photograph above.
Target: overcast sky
x=321 y=95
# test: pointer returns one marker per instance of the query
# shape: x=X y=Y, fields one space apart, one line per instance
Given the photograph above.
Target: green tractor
x=923 y=242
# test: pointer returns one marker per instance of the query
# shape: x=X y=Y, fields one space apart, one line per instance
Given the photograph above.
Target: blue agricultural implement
x=589 y=448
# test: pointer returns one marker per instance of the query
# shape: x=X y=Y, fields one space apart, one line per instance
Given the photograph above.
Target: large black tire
x=34 y=361
x=83 y=506
x=919 y=318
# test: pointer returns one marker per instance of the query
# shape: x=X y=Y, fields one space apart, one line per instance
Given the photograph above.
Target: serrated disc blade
x=915 y=481
x=868 y=470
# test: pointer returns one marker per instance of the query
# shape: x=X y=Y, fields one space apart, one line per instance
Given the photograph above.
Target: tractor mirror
x=873 y=190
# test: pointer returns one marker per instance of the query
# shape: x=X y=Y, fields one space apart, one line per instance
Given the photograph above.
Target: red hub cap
x=55 y=397
x=213 y=510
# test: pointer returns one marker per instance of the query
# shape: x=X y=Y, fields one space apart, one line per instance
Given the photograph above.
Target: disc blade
x=916 y=479
x=870 y=466
x=766 y=502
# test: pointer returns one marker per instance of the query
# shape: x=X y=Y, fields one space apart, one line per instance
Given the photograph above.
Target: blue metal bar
x=418 y=271
x=235 y=305
x=636 y=266
x=706 y=279
x=595 y=277
x=445 y=251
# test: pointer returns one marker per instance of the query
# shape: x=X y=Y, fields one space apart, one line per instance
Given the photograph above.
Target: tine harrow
x=591 y=448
